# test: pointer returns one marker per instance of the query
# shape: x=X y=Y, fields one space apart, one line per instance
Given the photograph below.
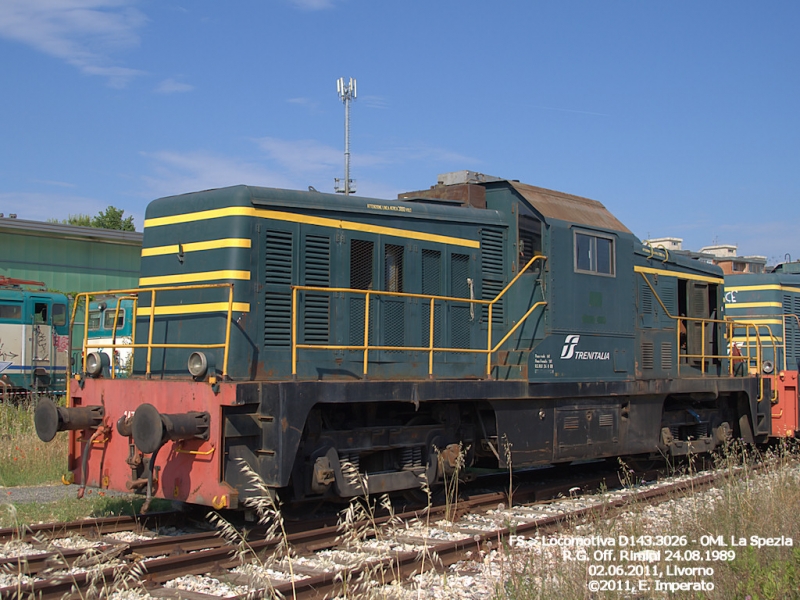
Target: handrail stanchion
x=294 y=332
x=85 y=330
x=227 y=335
x=366 y=331
x=489 y=344
x=150 y=333
x=430 y=340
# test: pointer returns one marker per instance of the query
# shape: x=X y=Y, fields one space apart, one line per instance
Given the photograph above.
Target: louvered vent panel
x=571 y=423
x=791 y=330
x=666 y=356
x=278 y=258
x=492 y=253
x=318 y=260
x=646 y=299
x=316 y=308
x=699 y=302
x=606 y=420
x=493 y=273
x=647 y=355
x=277 y=295
x=667 y=294
x=277 y=319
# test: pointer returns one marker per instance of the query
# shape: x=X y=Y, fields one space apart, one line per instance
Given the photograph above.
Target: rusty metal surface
x=558 y=205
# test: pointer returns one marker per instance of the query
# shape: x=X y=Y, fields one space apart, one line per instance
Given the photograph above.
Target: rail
x=149 y=345
x=683 y=323
x=431 y=349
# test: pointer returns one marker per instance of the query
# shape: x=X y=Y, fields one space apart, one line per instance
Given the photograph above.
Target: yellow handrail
x=430 y=348
x=768 y=326
x=730 y=325
x=150 y=345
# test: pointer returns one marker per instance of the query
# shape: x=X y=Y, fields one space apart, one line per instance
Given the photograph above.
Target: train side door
x=41 y=340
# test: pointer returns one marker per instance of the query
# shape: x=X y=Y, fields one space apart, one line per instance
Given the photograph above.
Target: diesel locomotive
x=771 y=303
x=311 y=336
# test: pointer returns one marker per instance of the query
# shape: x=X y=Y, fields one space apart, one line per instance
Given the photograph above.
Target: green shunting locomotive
x=314 y=337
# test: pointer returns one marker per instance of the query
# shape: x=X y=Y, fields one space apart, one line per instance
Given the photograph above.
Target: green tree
x=112 y=219
x=82 y=220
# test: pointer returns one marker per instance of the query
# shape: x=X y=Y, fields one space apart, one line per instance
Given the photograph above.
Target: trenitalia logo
x=568 y=351
x=569 y=346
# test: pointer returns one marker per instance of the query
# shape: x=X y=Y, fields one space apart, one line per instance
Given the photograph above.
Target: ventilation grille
x=647 y=355
x=667 y=294
x=646 y=299
x=277 y=295
x=606 y=420
x=316 y=313
x=361 y=253
x=791 y=330
x=431 y=285
x=666 y=356
x=571 y=422
x=459 y=288
x=493 y=272
x=279 y=258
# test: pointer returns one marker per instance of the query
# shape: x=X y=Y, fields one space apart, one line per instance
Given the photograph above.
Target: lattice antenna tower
x=347 y=93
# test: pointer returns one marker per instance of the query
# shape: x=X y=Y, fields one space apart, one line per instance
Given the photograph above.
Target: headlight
x=198 y=364
x=767 y=367
x=94 y=363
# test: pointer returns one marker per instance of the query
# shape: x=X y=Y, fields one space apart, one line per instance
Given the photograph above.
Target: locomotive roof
x=558 y=205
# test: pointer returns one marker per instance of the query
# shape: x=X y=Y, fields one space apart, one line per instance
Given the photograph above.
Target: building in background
x=723 y=255
x=726 y=257
x=69 y=258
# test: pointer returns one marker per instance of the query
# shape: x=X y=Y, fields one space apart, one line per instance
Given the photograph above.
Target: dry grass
x=748 y=505
x=24 y=458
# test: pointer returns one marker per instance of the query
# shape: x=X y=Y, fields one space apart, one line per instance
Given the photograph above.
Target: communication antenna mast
x=347 y=92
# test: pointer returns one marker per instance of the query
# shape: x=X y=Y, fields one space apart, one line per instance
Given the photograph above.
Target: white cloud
x=178 y=173
x=301 y=156
x=313 y=4
x=82 y=33
x=373 y=101
x=291 y=164
x=312 y=105
x=171 y=86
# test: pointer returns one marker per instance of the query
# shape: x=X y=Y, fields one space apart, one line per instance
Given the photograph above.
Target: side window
x=94 y=320
x=40 y=312
x=11 y=311
x=594 y=253
x=393 y=268
x=59 y=314
x=108 y=318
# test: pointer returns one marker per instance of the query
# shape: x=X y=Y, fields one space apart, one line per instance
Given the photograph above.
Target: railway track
x=382 y=547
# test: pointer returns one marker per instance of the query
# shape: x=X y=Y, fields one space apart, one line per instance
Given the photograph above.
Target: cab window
x=11 y=311
x=594 y=253
x=108 y=319
x=40 y=312
x=94 y=320
x=59 y=314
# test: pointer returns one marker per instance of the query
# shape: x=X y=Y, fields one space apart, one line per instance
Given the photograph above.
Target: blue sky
x=681 y=117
